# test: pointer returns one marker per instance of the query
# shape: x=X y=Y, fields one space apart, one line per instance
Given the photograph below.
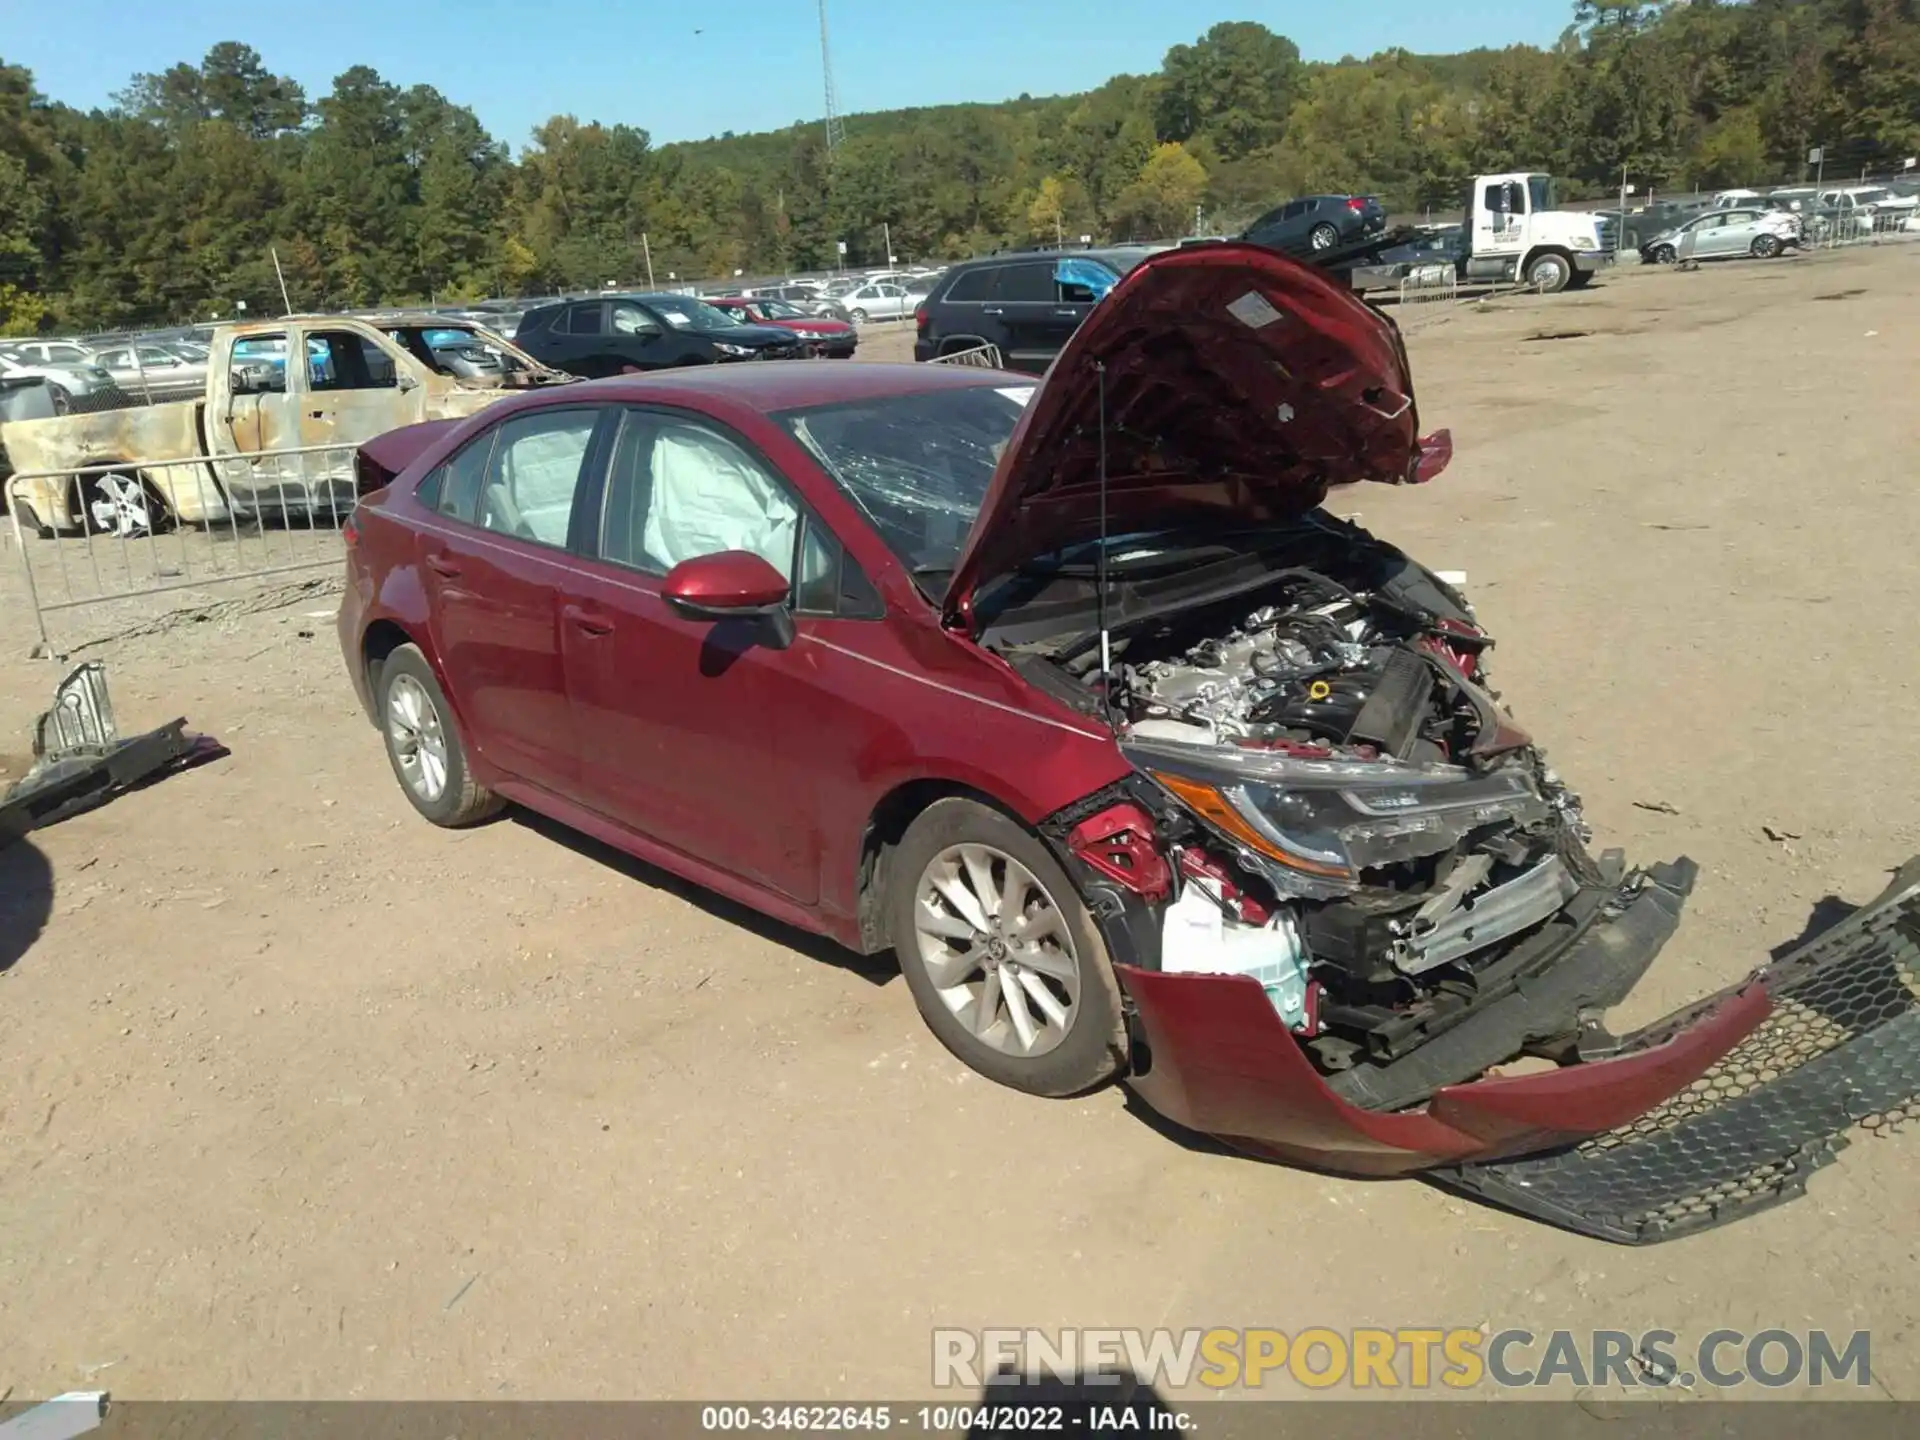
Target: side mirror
x=404 y=381
x=731 y=585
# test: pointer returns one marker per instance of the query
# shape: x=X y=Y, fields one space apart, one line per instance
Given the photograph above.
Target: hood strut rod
x=1100 y=559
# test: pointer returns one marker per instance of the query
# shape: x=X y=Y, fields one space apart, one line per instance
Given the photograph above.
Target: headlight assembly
x=1312 y=826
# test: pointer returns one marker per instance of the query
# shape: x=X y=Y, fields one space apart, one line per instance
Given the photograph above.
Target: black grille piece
x=1840 y=1053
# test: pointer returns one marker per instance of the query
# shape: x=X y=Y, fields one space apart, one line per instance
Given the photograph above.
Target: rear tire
x=859 y=317
x=1765 y=247
x=1033 y=965
x=121 y=503
x=424 y=747
x=1323 y=237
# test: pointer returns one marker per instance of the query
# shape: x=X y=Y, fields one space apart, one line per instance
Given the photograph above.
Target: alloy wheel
x=997 y=948
x=120 y=506
x=419 y=738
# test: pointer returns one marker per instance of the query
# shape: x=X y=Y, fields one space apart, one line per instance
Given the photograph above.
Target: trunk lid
x=1237 y=386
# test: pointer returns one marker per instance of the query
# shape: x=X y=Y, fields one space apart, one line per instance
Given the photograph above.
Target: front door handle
x=992 y=310
x=590 y=622
x=442 y=566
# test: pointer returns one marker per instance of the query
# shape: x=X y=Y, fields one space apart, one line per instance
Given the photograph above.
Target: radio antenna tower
x=836 y=131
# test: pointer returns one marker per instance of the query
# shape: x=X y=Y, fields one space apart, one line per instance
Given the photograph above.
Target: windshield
x=1541 y=194
x=683 y=312
x=917 y=465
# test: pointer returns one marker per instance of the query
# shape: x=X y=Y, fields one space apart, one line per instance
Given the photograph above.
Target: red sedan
x=1071 y=695
x=832 y=338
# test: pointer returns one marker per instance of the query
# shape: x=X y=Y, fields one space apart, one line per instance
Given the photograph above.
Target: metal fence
x=1427 y=293
x=986 y=357
x=139 y=529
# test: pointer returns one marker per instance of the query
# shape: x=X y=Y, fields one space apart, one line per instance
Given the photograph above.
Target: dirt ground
x=303 y=1098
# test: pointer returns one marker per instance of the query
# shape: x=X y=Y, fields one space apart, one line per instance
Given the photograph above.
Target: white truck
x=1512 y=234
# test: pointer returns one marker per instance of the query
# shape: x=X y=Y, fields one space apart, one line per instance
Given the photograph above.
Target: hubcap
x=1548 y=274
x=1321 y=240
x=997 y=949
x=120 y=506
x=418 y=738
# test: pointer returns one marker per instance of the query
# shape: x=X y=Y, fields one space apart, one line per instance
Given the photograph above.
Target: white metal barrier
x=105 y=534
x=986 y=357
x=1436 y=285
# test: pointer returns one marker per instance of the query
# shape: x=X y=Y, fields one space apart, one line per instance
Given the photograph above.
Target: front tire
x=1003 y=959
x=1549 y=273
x=424 y=746
x=1664 y=255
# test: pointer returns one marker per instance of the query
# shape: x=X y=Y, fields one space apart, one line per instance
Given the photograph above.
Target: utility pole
x=285 y=304
x=887 y=230
x=647 y=250
x=836 y=132
x=1620 y=223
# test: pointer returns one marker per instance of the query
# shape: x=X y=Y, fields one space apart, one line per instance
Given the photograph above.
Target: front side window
x=533 y=474
x=347 y=360
x=630 y=319
x=678 y=490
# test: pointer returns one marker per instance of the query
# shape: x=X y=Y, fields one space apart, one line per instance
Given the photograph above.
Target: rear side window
x=534 y=472
x=1033 y=282
x=974 y=284
x=585 y=320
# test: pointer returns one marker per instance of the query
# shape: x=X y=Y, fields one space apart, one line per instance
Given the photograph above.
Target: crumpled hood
x=1239 y=385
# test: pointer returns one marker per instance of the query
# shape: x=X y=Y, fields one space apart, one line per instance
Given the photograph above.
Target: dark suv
x=1318 y=222
x=613 y=334
x=1025 y=303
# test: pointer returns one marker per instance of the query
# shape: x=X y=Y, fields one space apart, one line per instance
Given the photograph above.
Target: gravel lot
x=303 y=1098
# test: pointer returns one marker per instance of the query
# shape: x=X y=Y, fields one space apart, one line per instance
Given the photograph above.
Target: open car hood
x=1239 y=385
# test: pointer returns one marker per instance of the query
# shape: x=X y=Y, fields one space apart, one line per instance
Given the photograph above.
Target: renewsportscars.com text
x=1405 y=1358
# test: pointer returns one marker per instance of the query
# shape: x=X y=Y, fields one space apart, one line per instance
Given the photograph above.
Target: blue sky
x=684 y=70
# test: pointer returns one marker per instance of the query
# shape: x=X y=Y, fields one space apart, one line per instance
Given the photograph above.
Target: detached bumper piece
x=1839 y=1052
x=80 y=761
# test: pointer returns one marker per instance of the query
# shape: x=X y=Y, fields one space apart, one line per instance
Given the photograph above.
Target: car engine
x=1355 y=672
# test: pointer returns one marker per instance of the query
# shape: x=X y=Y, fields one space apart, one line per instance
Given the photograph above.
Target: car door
x=1739 y=231
x=495 y=560
x=351 y=388
x=1037 y=321
x=677 y=716
x=251 y=421
x=1499 y=221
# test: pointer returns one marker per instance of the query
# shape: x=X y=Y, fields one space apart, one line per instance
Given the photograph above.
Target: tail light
x=1357 y=205
x=350 y=530
x=920 y=319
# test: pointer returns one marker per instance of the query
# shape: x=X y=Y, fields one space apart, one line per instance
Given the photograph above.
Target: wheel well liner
x=382 y=638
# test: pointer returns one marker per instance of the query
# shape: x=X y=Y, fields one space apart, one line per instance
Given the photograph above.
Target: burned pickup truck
x=244 y=449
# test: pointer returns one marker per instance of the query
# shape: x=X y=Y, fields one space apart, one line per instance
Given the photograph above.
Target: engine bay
x=1349 y=815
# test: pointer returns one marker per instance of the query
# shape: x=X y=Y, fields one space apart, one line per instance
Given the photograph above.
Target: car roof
x=770 y=386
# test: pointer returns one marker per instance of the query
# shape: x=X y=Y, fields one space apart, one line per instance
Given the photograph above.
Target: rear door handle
x=440 y=565
x=590 y=622
x=992 y=310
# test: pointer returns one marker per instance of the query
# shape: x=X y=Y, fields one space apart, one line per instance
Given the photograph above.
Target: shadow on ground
x=26 y=899
x=875 y=969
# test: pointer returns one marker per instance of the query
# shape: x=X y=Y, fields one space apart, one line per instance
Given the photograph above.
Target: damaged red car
x=1074 y=696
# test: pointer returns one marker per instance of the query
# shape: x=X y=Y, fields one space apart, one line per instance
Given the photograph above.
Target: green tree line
x=170 y=203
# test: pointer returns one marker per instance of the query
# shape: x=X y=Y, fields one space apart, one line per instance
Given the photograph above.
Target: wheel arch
x=1540 y=251
x=886 y=823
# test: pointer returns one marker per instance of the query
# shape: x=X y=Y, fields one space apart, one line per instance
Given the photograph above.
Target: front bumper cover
x=1720 y=1109
x=1588 y=261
